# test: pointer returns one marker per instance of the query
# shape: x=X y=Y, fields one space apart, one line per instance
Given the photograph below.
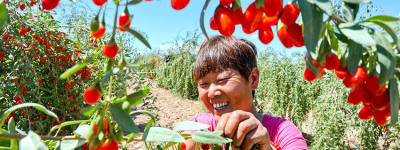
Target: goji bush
x=33 y=54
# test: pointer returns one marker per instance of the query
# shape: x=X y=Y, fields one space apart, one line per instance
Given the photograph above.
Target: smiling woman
x=227 y=74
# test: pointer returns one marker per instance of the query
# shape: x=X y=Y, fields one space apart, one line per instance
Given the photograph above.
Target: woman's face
x=226 y=91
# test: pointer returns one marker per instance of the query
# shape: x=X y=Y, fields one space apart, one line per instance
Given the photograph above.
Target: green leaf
x=342 y=38
x=89 y=110
x=190 y=125
x=209 y=137
x=358 y=1
x=324 y=5
x=37 y=106
x=32 y=142
x=71 y=144
x=347 y=14
x=353 y=9
x=310 y=65
x=357 y=34
x=333 y=40
x=381 y=18
x=79 y=66
x=394 y=101
x=312 y=19
x=388 y=30
x=123 y=119
x=138 y=36
x=133 y=2
x=386 y=57
x=3 y=15
x=203 y=11
x=107 y=76
x=11 y=125
x=67 y=124
x=158 y=134
x=82 y=130
x=134 y=97
x=355 y=53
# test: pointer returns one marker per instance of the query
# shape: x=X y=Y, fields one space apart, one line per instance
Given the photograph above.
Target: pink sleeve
x=284 y=133
x=205 y=118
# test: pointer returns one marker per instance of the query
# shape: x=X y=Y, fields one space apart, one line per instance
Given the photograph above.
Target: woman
x=227 y=76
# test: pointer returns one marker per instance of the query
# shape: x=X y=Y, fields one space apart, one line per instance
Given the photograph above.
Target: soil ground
x=169 y=108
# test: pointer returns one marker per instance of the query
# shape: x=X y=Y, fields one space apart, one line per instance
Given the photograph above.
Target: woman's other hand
x=244 y=129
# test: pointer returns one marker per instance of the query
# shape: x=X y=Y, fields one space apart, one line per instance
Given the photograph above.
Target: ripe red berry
x=124 y=20
x=110 y=144
x=351 y=81
x=226 y=3
x=223 y=19
x=283 y=36
x=99 y=33
x=381 y=102
x=295 y=33
x=183 y=146
x=22 y=6
x=179 y=4
x=265 y=34
x=92 y=94
x=332 y=62
x=213 y=26
x=309 y=75
x=237 y=16
x=374 y=87
x=341 y=72
x=352 y=98
x=290 y=13
x=273 y=8
x=365 y=113
x=50 y=4
x=268 y=21
x=380 y=118
x=110 y=49
x=251 y=18
x=99 y=2
x=363 y=94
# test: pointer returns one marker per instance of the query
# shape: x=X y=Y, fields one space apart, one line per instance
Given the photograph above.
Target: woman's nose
x=214 y=91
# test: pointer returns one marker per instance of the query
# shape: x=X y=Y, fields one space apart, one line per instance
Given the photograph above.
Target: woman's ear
x=254 y=78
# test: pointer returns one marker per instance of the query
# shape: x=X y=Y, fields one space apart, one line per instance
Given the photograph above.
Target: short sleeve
x=284 y=133
x=205 y=118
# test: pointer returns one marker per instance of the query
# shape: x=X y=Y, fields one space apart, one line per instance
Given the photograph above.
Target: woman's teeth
x=220 y=105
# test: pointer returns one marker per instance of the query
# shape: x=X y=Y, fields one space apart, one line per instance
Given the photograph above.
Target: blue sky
x=162 y=23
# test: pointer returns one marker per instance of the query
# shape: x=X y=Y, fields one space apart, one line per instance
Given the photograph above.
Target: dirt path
x=169 y=108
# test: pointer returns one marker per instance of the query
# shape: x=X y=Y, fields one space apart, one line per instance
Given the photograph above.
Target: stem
x=115 y=22
x=52 y=138
x=338 y=19
x=110 y=88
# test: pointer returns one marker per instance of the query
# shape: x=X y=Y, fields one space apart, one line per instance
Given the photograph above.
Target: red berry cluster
x=364 y=89
x=228 y=14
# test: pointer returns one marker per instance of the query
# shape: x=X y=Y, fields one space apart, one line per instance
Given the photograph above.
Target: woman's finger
x=243 y=129
x=233 y=122
x=258 y=136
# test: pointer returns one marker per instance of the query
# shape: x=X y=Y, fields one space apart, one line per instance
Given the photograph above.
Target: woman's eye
x=223 y=79
x=203 y=84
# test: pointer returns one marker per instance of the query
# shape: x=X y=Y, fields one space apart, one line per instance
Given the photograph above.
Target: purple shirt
x=281 y=131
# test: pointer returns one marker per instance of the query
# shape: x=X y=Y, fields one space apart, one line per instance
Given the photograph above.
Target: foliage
x=177 y=73
x=33 y=55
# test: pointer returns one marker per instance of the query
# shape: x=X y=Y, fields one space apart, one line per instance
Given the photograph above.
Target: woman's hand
x=244 y=129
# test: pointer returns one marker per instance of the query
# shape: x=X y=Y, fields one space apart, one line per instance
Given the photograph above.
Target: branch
x=338 y=18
